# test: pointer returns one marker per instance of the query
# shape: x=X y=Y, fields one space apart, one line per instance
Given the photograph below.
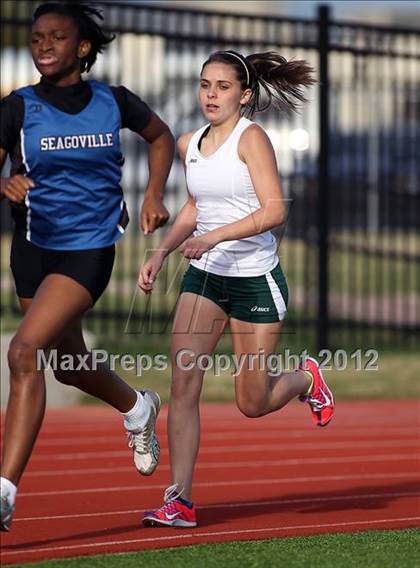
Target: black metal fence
x=349 y=162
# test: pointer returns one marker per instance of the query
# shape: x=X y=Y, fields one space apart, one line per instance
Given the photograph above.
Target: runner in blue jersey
x=234 y=279
x=62 y=136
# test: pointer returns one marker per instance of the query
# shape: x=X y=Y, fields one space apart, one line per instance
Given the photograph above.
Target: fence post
x=323 y=179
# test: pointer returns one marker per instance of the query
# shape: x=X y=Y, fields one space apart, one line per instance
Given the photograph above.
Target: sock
x=7 y=487
x=186 y=502
x=136 y=418
x=309 y=391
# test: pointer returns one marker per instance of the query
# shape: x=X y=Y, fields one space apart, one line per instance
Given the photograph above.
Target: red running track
x=263 y=478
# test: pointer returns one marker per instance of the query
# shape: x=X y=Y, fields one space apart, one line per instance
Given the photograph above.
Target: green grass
x=366 y=273
x=395 y=378
x=370 y=549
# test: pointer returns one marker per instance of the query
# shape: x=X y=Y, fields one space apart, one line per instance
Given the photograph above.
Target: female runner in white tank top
x=234 y=201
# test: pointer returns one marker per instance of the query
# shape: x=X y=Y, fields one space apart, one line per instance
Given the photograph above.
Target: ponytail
x=270 y=77
x=282 y=82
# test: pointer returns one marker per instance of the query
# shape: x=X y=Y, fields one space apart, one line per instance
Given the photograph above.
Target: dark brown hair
x=271 y=77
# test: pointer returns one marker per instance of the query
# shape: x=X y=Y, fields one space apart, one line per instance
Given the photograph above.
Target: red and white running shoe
x=174 y=513
x=320 y=399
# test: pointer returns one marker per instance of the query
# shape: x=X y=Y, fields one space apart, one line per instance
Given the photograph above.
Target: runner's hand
x=153 y=214
x=197 y=246
x=148 y=273
x=15 y=188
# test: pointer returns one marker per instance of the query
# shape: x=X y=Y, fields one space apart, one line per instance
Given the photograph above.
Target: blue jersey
x=75 y=162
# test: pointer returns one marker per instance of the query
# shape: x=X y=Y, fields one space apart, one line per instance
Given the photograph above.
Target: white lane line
x=255 y=429
x=166 y=467
x=110 y=440
x=199 y=535
x=311 y=500
x=235 y=505
x=354 y=431
x=211 y=450
x=138 y=488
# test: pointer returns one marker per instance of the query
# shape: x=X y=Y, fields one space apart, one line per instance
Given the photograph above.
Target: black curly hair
x=83 y=16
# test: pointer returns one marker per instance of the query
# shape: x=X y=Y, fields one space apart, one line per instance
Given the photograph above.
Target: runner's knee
x=185 y=386
x=250 y=407
x=250 y=410
x=21 y=357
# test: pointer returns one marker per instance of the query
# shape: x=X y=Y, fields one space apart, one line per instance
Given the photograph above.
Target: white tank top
x=224 y=193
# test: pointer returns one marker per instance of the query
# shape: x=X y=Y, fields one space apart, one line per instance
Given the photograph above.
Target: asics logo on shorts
x=193 y=161
x=259 y=309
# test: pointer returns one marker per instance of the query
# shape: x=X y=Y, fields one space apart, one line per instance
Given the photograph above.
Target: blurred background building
x=349 y=162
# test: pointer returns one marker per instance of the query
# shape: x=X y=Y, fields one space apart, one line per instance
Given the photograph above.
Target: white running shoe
x=144 y=442
x=6 y=511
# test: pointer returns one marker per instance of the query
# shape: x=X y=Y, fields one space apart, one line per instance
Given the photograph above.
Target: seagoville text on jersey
x=51 y=143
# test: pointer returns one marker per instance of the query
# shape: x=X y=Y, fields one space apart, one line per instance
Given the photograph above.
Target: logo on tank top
x=74 y=142
x=193 y=161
